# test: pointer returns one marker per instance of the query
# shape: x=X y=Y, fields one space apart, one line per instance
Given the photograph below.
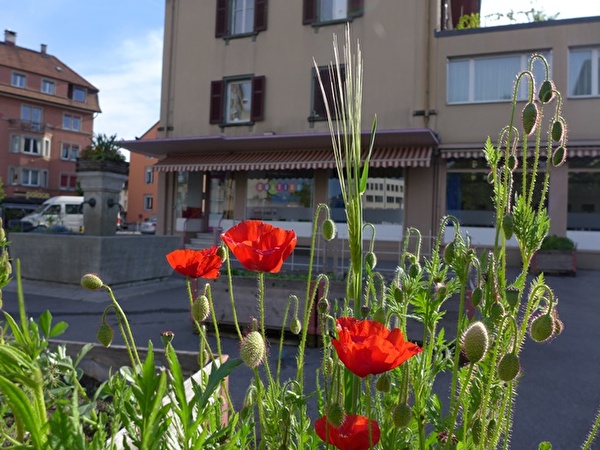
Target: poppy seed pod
x=252 y=349
x=475 y=342
x=105 y=334
x=167 y=337
x=200 y=308
x=92 y=282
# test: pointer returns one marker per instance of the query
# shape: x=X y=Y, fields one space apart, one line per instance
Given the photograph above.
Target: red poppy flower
x=260 y=247
x=196 y=263
x=368 y=347
x=353 y=434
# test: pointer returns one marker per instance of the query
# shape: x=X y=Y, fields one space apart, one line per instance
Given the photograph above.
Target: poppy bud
x=2 y=234
x=384 y=382
x=336 y=414
x=557 y=131
x=252 y=349
x=167 y=337
x=475 y=341
x=512 y=297
x=476 y=296
x=200 y=308
x=105 y=334
x=222 y=252
x=398 y=296
x=509 y=367
x=559 y=156
x=371 y=260
x=476 y=431
x=295 y=326
x=497 y=312
x=365 y=310
x=530 y=117
x=327 y=366
x=323 y=306
x=414 y=270
x=328 y=229
x=546 y=93
x=441 y=291
x=508 y=226
x=380 y=315
x=512 y=162
x=542 y=328
x=92 y=282
x=401 y=415
x=449 y=252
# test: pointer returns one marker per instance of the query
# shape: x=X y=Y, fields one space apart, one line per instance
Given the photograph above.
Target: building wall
x=138 y=186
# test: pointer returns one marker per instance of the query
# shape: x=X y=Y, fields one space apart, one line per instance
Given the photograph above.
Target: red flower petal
x=196 y=263
x=353 y=434
x=259 y=246
x=367 y=347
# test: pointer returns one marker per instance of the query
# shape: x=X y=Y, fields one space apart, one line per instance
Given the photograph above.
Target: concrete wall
x=116 y=259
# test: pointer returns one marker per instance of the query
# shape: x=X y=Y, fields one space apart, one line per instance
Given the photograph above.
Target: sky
x=117 y=46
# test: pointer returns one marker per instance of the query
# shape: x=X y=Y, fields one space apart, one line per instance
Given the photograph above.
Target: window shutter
x=260 y=15
x=216 y=101
x=318 y=100
x=309 y=12
x=258 y=99
x=221 y=18
x=356 y=8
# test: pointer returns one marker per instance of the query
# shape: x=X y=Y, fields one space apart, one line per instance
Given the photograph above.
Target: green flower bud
x=476 y=431
x=222 y=252
x=508 y=226
x=398 y=295
x=328 y=229
x=414 y=270
x=509 y=367
x=327 y=366
x=475 y=342
x=542 y=328
x=512 y=297
x=92 y=282
x=546 y=93
x=296 y=326
x=512 y=162
x=476 y=296
x=449 y=252
x=497 y=311
x=336 y=414
x=105 y=334
x=380 y=315
x=200 y=308
x=384 y=382
x=559 y=156
x=530 y=118
x=557 y=131
x=252 y=349
x=401 y=415
x=323 y=306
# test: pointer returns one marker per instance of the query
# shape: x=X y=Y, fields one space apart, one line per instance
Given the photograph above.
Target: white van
x=63 y=210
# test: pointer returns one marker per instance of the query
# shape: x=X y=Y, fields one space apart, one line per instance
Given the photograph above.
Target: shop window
x=280 y=195
x=238 y=100
x=322 y=12
x=236 y=18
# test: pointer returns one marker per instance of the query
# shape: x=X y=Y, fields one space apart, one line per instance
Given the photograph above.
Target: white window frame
x=235 y=102
x=471 y=76
x=47 y=147
x=19 y=80
x=71 y=122
x=148 y=202
x=48 y=86
x=69 y=152
x=594 y=69
x=242 y=17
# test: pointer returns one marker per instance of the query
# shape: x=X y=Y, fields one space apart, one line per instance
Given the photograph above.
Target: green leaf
x=215 y=378
x=365 y=172
x=45 y=322
x=58 y=329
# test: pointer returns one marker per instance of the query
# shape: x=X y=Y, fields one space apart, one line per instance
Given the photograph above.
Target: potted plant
x=103 y=154
x=557 y=255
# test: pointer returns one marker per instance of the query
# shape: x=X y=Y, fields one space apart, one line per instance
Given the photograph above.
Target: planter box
x=555 y=262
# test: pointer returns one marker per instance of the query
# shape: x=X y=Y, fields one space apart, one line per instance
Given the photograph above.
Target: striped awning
x=573 y=150
x=288 y=159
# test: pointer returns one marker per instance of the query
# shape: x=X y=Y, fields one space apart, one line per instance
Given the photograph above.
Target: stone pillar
x=101 y=191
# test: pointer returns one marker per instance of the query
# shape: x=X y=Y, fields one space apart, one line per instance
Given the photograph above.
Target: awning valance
x=288 y=159
x=574 y=149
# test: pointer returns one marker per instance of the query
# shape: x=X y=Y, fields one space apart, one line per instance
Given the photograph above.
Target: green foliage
x=467 y=21
x=554 y=242
x=103 y=148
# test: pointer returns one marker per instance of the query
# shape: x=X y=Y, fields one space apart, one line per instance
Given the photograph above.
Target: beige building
x=242 y=131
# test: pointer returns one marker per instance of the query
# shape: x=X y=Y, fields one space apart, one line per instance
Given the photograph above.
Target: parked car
x=148 y=227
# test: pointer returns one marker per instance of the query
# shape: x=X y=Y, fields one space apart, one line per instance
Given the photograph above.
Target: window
x=34 y=177
x=71 y=122
x=18 y=80
x=318 y=12
x=240 y=17
x=237 y=100
x=583 y=207
x=32 y=115
x=318 y=111
x=584 y=72
x=78 y=93
x=489 y=78
x=148 y=202
x=48 y=87
x=69 y=151
x=68 y=182
x=280 y=195
x=149 y=175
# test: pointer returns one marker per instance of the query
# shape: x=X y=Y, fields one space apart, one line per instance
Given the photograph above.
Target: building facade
x=242 y=130
x=46 y=118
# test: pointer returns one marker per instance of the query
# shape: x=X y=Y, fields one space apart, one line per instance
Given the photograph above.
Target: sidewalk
x=559 y=392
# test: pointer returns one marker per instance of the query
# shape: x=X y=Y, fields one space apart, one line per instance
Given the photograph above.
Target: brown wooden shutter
x=356 y=8
x=309 y=12
x=216 y=102
x=221 y=18
x=260 y=15
x=258 y=99
x=318 y=100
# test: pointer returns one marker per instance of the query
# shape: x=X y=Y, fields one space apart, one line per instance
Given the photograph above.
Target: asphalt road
x=559 y=392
